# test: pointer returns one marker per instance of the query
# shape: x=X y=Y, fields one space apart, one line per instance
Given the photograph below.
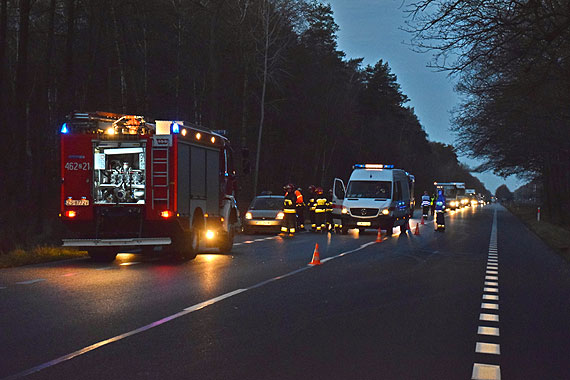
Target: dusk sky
x=369 y=29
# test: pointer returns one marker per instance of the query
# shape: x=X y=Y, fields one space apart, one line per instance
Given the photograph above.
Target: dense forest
x=512 y=61
x=269 y=72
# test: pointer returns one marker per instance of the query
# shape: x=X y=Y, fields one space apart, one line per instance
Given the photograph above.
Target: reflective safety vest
x=440 y=204
x=299 y=196
x=312 y=204
x=425 y=200
x=321 y=205
x=288 y=206
x=329 y=205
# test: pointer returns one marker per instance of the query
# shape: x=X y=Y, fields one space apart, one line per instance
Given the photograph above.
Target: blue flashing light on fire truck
x=127 y=184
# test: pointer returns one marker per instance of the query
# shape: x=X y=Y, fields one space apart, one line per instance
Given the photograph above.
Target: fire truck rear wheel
x=102 y=255
x=187 y=244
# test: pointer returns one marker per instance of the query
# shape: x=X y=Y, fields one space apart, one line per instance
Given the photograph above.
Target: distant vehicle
x=265 y=214
x=376 y=196
x=472 y=197
x=454 y=193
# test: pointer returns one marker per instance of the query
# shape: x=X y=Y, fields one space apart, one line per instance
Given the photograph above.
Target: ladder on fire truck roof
x=160 y=180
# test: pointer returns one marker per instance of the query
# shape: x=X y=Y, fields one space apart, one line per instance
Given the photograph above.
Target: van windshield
x=369 y=189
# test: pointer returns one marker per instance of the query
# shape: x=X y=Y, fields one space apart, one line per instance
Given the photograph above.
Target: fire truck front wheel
x=227 y=241
x=102 y=255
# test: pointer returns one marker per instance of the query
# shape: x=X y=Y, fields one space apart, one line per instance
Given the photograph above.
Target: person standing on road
x=311 y=206
x=329 y=212
x=440 y=211
x=320 y=209
x=426 y=203
x=289 y=210
x=300 y=207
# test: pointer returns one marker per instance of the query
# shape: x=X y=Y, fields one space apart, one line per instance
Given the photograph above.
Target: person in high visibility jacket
x=320 y=209
x=440 y=211
x=290 y=219
x=311 y=206
x=300 y=207
x=426 y=203
x=329 y=212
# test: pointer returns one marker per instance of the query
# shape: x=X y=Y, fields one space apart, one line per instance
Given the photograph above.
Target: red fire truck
x=129 y=184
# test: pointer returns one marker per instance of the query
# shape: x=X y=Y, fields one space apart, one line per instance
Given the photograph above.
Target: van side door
x=339 y=192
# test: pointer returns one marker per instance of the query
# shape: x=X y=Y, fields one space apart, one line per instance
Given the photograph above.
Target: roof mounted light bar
x=372 y=166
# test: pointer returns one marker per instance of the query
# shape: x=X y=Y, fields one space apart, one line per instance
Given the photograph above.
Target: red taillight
x=70 y=214
x=166 y=214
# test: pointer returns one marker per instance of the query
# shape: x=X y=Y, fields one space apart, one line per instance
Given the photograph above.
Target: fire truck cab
x=128 y=184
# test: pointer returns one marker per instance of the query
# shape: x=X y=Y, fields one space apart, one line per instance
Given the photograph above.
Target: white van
x=376 y=196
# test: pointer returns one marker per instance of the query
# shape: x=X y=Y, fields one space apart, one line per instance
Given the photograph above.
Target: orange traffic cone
x=417 y=230
x=379 y=236
x=422 y=222
x=316 y=258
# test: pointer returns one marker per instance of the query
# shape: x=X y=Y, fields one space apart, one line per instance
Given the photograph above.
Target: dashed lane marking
x=484 y=330
x=490 y=306
x=130 y=263
x=489 y=371
x=488 y=317
x=488 y=348
x=486 y=372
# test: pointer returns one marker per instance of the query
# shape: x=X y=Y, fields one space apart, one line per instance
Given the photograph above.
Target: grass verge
x=40 y=254
x=557 y=237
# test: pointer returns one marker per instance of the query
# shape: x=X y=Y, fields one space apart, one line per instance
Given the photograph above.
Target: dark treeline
x=263 y=70
x=512 y=59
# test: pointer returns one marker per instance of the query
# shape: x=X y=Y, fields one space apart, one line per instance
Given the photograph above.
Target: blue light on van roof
x=175 y=128
x=64 y=129
x=372 y=166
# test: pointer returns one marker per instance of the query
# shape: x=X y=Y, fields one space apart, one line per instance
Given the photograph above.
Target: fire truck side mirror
x=245 y=163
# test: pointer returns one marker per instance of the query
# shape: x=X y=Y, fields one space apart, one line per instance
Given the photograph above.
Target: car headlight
x=248 y=215
x=280 y=215
x=385 y=211
x=344 y=210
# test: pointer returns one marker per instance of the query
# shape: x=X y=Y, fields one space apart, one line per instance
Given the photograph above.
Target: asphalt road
x=485 y=299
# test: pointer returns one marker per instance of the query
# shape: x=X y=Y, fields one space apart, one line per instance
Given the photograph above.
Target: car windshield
x=267 y=204
x=369 y=189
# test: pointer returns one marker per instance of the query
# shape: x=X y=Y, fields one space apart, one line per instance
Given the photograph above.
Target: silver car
x=265 y=214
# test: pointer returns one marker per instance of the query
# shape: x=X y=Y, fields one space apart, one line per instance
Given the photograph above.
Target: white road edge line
x=30 y=281
x=162 y=321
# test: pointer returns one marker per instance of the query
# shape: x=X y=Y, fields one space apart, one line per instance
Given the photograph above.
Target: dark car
x=265 y=214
